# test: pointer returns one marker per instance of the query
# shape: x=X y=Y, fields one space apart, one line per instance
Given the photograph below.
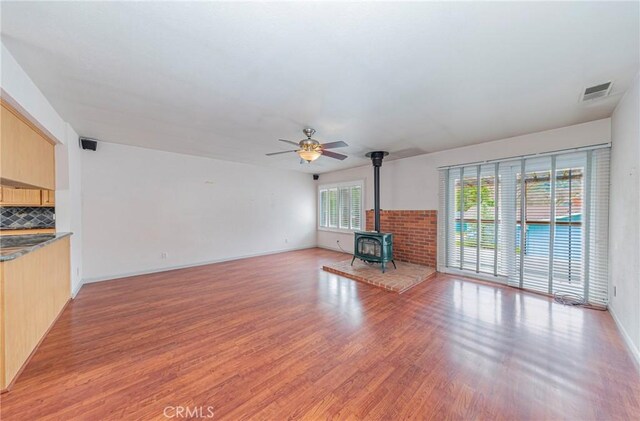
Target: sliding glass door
x=536 y=223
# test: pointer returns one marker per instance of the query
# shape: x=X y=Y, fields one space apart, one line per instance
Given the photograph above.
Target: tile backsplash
x=27 y=217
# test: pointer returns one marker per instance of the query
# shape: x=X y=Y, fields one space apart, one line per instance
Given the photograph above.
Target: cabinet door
x=20 y=197
x=48 y=198
x=27 y=156
x=36 y=289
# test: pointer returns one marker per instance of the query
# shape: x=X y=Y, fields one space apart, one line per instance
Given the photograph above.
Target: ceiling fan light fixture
x=310 y=149
x=309 y=155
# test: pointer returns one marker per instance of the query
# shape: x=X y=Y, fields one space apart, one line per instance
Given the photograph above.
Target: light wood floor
x=274 y=337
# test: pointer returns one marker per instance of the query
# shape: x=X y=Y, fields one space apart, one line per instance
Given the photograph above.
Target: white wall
x=69 y=202
x=20 y=91
x=412 y=183
x=624 y=211
x=138 y=203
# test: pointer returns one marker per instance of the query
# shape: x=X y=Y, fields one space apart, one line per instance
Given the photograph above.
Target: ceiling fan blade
x=332 y=145
x=334 y=155
x=278 y=153
x=288 y=141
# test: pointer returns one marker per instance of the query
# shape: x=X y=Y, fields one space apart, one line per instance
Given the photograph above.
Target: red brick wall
x=415 y=234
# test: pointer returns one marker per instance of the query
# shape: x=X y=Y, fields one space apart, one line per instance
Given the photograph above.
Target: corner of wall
x=74 y=203
x=635 y=351
x=22 y=93
x=624 y=229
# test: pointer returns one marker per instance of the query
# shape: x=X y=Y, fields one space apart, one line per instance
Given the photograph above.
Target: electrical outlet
x=614 y=291
x=163 y=255
x=286 y=240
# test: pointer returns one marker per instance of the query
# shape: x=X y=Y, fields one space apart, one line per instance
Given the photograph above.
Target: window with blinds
x=340 y=206
x=537 y=223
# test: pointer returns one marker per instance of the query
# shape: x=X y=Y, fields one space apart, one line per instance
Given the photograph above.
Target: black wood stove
x=374 y=246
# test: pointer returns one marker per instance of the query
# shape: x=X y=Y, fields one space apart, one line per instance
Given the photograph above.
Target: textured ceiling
x=226 y=80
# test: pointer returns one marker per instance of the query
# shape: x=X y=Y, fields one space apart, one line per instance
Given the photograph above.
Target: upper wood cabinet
x=48 y=197
x=27 y=156
x=20 y=197
x=10 y=196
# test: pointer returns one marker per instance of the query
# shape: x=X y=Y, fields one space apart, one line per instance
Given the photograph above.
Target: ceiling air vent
x=597 y=91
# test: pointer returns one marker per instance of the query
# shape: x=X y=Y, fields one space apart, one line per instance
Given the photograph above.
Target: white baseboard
x=190 y=265
x=334 y=249
x=635 y=353
x=75 y=290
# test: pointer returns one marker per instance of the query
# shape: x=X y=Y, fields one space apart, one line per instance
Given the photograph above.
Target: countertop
x=14 y=246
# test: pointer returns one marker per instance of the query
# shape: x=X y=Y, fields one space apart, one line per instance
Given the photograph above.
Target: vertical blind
x=540 y=223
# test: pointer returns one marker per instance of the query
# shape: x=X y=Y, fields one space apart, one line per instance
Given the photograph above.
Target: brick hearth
x=415 y=234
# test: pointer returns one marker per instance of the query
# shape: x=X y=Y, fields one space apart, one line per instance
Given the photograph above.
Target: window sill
x=337 y=230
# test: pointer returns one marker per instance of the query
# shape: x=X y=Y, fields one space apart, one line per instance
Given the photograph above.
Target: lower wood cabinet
x=34 y=289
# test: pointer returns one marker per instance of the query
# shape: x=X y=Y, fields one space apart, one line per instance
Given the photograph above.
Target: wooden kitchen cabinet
x=20 y=197
x=34 y=289
x=48 y=197
x=10 y=196
x=27 y=156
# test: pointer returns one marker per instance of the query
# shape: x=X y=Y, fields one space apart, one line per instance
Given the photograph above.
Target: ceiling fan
x=310 y=149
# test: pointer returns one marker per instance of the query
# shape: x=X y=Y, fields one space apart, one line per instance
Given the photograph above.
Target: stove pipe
x=376 y=159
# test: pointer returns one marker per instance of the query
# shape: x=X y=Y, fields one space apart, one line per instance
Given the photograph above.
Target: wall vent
x=597 y=91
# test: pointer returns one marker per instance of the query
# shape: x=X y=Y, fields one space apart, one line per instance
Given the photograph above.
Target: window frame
x=543 y=262
x=337 y=186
